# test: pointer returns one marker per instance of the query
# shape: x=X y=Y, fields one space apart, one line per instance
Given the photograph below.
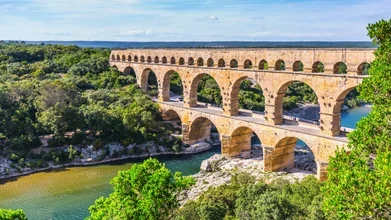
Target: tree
x=12 y=214
x=359 y=181
x=146 y=191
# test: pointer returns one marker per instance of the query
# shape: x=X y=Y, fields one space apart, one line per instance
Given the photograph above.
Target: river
x=67 y=193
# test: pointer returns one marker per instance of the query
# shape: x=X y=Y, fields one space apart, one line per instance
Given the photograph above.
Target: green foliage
x=359 y=184
x=12 y=214
x=209 y=91
x=146 y=191
x=245 y=199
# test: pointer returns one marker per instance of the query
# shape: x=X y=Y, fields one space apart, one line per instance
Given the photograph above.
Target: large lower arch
x=282 y=156
x=166 y=87
x=145 y=83
x=199 y=130
x=240 y=141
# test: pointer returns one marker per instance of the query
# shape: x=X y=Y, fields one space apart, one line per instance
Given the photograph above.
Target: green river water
x=67 y=193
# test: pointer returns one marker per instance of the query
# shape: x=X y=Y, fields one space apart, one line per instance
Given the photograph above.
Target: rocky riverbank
x=218 y=170
x=91 y=156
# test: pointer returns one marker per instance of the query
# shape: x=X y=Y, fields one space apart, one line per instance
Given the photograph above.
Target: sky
x=190 y=20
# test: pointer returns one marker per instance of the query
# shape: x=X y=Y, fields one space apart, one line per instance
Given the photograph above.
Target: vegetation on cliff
x=359 y=181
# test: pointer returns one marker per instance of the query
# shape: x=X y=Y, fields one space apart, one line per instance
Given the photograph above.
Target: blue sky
x=190 y=20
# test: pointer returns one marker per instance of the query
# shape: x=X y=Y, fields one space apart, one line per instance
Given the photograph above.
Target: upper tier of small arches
x=329 y=65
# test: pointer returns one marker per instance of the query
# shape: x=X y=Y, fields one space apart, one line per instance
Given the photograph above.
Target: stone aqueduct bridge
x=230 y=67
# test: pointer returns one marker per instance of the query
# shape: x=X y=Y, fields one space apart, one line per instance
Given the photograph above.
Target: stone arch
x=240 y=140
x=113 y=57
x=298 y=66
x=248 y=64
x=318 y=67
x=135 y=58
x=142 y=59
x=340 y=68
x=164 y=60
x=190 y=61
x=130 y=71
x=337 y=107
x=156 y=60
x=233 y=63
x=118 y=58
x=200 y=130
x=181 y=61
x=194 y=88
x=172 y=61
x=210 y=62
x=363 y=68
x=279 y=98
x=200 y=62
x=167 y=84
x=144 y=79
x=149 y=59
x=221 y=63
x=263 y=65
x=282 y=156
x=171 y=115
x=123 y=58
x=234 y=95
x=280 y=65
x=129 y=58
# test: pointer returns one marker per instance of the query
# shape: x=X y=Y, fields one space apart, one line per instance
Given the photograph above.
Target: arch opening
x=190 y=61
x=363 y=69
x=129 y=58
x=340 y=68
x=181 y=61
x=233 y=64
x=149 y=59
x=280 y=65
x=204 y=88
x=129 y=71
x=123 y=58
x=247 y=94
x=299 y=103
x=156 y=60
x=263 y=65
x=200 y=62
x=135 y=59
x=290 y=153
x=244 y=142
x=318 y=67
x=142 y=59
x=172 y=61
x=164 y=60
x=248 y=64
x=118 y=58
x=172 y=87
x=298 y=66
x=203 y=131
x=173 y=120
x=149 y=83
x=113 y=57
x=210 y=62
x=221 y=63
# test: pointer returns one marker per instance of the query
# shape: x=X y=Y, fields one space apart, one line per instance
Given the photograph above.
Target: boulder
x=206 y=166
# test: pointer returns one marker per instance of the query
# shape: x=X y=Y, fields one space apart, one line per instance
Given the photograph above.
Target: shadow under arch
x=213 y=98
x=169 y=87
x=241 y=140
x=200 y=130
x=251 y=86
x=291 y=152
x=148 y=82
x=130 y=71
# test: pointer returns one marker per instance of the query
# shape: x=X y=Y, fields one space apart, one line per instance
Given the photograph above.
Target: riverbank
x=91 y=157
x=218 y=170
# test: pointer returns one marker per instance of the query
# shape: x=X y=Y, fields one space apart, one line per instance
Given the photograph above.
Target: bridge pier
x=321 y=170
x=330 y=123
x=273 y=114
